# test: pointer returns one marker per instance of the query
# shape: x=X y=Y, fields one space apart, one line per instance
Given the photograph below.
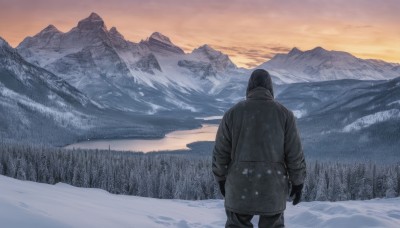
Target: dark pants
x=266 y=221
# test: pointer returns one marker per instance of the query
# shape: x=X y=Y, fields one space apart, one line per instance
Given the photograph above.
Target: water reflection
x=175 y=140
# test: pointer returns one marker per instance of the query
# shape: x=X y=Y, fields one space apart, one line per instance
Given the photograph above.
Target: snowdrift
x=30 y=204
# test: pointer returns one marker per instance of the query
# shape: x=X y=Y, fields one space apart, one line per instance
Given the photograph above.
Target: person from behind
x=257 y=154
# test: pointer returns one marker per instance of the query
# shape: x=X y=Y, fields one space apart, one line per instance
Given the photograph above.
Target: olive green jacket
x=258 y=151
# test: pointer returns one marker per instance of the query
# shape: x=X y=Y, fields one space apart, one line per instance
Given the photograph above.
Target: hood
x=260 y=78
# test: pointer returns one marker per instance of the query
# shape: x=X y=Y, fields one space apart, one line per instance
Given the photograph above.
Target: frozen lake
x=176 y=140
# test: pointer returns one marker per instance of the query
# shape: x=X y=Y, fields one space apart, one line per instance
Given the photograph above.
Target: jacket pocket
x=257 y=186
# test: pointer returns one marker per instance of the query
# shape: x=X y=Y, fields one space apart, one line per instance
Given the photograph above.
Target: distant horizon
x=250 y=32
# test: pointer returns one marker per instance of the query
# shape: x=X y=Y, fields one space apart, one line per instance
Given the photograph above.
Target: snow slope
x=29 y=204
x=369 y=120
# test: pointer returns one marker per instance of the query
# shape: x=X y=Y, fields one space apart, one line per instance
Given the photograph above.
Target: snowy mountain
x=26 y=204
x=206 y=61
x=38 y=106
x=161 y=44
x=147 y=77
x=319 y=64
x=155 y=75
x=346 y=118
x=218 y=60
x=33 y=98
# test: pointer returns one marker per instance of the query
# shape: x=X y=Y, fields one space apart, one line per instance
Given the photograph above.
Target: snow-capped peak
x=115 y=33
x=159 y=43
x=160 y=37
x=95 y=17
x=319 y=50
x=219 y=60
x=338 y=55
x=295 y=51
x=210 y=53
x=50 y=29
x=94 y=21
x=207 y=50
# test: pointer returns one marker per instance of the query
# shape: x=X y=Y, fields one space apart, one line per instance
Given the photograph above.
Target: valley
x=90 y=83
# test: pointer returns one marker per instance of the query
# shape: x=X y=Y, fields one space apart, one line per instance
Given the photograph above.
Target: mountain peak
x=295 y=51
x=114 y=32
x=160 y=37
x=95 y=16
x=206 y=47
x=94 y=21
x=208 y=50
x=118 y=39
x=318 y=49
x=157 y=42
x=50 y=29
x=219 y=60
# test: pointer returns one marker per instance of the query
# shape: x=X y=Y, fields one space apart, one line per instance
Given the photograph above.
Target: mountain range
x=156 y=75
x=149 y=76
x=90 y=82
x=319 y=64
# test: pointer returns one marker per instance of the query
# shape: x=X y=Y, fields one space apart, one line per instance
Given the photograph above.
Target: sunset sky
x=249 y=31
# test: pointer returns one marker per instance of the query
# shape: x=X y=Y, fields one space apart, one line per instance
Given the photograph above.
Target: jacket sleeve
x=222 y=151
x=294 y=156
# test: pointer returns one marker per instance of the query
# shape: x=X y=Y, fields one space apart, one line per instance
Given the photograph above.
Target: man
x=257 y=153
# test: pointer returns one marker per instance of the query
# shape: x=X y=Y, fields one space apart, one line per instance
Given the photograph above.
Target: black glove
x=296 y=192
x=222 y=187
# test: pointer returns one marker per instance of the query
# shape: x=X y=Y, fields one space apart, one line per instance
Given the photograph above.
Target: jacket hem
x=254 y=212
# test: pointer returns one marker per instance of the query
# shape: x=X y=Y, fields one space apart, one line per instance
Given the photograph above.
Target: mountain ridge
x=158 y=42
x=108 y=67
x=319 y=64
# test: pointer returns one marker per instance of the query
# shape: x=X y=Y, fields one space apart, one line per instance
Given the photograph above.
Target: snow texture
x=209 y=118
x=369 y=120
x=29 y=204
x=62 y=117
x=299 y=113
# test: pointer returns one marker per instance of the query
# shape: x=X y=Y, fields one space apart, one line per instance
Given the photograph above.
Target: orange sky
x=249 y=31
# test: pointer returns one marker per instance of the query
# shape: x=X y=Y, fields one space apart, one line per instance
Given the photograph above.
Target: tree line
x=182 y=175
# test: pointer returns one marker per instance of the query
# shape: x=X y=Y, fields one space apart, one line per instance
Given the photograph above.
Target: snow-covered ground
x=29 y=204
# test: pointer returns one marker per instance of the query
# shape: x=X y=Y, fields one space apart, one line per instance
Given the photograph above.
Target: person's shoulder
x=238 y=105
x=288 y=113
x=234 y=108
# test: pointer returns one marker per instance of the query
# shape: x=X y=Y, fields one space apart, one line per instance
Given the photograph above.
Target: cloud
x=351 y=27
x=254 y=56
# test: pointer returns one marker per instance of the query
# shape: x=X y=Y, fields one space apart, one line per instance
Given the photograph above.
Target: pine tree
x=321 y=193
x=390 y=185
